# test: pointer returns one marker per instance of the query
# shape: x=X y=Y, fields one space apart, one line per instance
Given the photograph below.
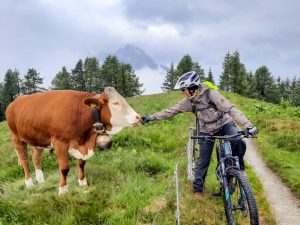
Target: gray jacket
x=215 y=110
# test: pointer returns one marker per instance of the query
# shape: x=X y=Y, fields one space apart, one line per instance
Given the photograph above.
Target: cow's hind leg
x=81 y=176
x=21 y=149
x=37 y=161
x=61 y=151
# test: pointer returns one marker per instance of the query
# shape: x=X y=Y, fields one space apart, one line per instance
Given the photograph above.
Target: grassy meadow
x=279 y=137
x=130 y=184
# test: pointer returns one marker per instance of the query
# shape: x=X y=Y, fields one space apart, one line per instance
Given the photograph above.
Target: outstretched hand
x=145 y=119
x=253 y=130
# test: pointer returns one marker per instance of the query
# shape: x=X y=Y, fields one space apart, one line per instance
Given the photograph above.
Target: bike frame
x=235 y=197
x=224 y=155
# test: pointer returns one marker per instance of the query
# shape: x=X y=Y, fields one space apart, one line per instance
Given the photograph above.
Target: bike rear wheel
x=239 y=201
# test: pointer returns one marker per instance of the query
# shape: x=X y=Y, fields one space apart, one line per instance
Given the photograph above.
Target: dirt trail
x=285 y=205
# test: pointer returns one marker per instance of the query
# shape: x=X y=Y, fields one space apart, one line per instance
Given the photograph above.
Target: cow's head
x=116 y=113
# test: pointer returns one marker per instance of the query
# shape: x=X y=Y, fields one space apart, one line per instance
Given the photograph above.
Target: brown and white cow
x=63 y=119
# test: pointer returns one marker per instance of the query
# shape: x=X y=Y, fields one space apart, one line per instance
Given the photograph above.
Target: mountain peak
x=135 y=56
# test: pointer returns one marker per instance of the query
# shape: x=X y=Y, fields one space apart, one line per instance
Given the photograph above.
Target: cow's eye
x=115 y=103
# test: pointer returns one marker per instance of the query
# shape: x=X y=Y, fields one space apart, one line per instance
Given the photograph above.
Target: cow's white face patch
x=77 y=154
x=122 y=114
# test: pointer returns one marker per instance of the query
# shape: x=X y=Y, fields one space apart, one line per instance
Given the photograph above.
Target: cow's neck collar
x=96 y=114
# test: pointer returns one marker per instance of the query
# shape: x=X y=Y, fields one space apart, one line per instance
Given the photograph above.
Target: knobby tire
x=252 y=208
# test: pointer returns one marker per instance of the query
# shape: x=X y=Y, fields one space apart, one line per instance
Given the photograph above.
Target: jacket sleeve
x=182 y=106
x=225 y=106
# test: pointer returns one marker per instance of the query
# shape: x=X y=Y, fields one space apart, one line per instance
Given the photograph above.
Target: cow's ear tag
x=93 y=105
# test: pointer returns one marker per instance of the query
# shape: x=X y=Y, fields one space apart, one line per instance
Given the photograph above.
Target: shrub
x=284 y=103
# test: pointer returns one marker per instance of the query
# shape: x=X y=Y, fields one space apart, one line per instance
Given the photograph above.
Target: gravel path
x=285 y=205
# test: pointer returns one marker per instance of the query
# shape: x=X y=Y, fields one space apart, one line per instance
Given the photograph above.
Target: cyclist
x=216 y=118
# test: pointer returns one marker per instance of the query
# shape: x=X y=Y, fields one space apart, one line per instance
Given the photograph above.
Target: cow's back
x=36 y=118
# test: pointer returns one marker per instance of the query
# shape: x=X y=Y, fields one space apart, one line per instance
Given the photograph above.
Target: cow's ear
x=103 y=99
x=91 y=101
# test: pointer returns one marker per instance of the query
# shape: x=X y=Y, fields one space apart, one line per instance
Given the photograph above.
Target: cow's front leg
x=81 y=176
x=61 y=150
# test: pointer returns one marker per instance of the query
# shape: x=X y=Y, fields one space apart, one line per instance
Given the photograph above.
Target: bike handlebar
x=242 y=134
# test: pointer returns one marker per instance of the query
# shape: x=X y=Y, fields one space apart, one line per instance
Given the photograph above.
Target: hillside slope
x=130 y=184
x=279 y=139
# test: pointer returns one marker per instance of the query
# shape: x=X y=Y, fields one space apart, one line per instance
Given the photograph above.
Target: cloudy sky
x=48 y=34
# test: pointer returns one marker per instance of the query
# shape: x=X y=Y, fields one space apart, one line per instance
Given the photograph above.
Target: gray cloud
x=261 y=30
x=48 y=34
x=45 y=36
x=177 y=12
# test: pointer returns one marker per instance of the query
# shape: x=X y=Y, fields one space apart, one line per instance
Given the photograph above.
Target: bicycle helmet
x=190 y=80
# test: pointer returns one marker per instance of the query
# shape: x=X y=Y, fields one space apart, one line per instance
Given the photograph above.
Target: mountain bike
x=234 y=185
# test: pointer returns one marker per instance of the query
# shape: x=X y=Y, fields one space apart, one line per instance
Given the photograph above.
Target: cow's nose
x=138 y=117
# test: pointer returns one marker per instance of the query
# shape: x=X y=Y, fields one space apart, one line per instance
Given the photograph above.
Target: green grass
x=127 y=184
x=279 y=137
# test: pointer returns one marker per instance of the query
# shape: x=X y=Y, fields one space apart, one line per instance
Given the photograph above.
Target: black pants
x=206 y=148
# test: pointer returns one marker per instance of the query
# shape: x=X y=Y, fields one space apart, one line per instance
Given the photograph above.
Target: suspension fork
x=225 y=184
x=243 y=195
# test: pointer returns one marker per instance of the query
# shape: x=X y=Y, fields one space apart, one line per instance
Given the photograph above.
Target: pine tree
x=210 y=76
x=295 y=89
x=273 y=93
x=98 y=85
x=78 y=80
x=125 y=78
x=10 y=89
x=120 y=76
x=225 y=76
x=2 y=106
x=62 y=80
x=185 y=65
x=283 y=91
x=250 y=87
x=110 y=71
x=293 y=86
x=128 y=81
x=237 y=74
x=198 y=69
x=263 y=81
x=11 y=85
x=92 y=73
x=32 y=82
x=285 y=87
x=135 y=85
x=170 y=79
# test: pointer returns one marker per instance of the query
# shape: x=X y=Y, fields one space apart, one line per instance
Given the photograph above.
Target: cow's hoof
x=40 y=180
x=39 y=176
x=63 y=190
x=29 y=183
x=83 y=182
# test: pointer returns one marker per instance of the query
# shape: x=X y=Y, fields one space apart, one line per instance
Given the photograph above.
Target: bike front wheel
x=239 y=200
